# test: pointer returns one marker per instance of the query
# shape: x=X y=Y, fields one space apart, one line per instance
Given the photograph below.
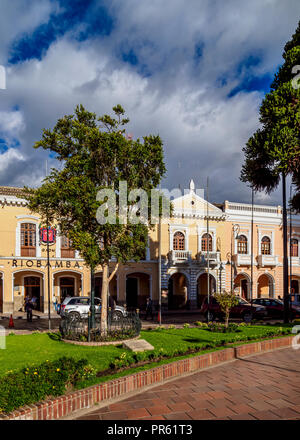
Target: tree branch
x=113 y=272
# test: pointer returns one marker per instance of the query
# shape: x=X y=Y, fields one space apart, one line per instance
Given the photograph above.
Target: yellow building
x=187 y=239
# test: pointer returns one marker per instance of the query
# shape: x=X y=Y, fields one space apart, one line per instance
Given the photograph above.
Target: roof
x=11 y=191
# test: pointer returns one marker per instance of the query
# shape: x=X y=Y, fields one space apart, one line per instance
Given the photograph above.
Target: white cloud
x=202 y=129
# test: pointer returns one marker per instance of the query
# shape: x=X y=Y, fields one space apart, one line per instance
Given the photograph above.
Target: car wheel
x=117 y=315
x=74 y=316
x=247 y=317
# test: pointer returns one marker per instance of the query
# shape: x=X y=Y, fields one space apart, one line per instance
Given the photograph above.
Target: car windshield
x=242 y=301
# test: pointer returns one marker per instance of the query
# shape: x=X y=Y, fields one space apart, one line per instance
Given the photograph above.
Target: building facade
x=197 y=233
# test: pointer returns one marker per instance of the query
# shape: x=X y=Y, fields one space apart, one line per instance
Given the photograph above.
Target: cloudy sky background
x=193 y=71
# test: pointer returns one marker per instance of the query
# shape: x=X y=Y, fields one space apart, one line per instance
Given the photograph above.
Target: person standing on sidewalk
x=28 y=308
x=149 y=310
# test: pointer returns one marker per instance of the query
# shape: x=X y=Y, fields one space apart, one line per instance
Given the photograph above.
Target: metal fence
x=118 y=327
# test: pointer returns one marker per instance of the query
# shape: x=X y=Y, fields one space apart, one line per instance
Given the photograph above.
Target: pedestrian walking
x=149 y=309
x=28 y=308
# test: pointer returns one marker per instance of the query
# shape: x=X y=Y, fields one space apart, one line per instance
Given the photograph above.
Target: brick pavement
x=261 y=387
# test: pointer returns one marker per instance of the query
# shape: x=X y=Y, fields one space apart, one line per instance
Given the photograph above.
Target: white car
x=78 y=307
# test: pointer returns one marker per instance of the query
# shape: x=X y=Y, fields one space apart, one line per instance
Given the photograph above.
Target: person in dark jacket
x=149 y=309
x=28 y=308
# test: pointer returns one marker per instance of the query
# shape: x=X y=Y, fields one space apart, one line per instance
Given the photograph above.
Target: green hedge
x=35 y=383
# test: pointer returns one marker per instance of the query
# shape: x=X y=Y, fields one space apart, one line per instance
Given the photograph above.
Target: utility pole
x=291 y=268
x=252 y=242
x=285 y=256
x=207 y=250
x=159 y=263
x=48 y=273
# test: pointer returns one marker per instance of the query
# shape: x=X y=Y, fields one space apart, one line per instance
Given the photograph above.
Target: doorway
x=67 y=288
x=132 y=292
x=33 y=290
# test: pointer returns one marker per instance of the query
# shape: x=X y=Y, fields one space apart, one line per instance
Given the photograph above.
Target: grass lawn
x=24 y=350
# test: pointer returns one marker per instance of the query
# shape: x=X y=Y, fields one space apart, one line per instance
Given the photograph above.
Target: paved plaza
x=262 y=387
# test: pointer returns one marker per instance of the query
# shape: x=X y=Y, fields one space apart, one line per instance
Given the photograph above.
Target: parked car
x=275 y=307
x=295 y=299
x=243 y=310
x=79 y=306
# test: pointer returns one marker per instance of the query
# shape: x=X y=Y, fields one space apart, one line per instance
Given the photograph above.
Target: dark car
x=243 y=310
x=275 y=307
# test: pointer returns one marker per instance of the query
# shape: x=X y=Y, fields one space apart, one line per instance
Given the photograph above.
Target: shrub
x=226 y=300
x=35 y=383
x=186 y=325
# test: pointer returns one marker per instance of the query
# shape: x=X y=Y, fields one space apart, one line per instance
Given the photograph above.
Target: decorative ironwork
x=119 y=327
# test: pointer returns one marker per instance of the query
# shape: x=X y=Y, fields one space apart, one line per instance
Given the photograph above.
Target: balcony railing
x=214 y=257
x=267 y=260
x=295 y=261
x=179 y=256
x=242 y=259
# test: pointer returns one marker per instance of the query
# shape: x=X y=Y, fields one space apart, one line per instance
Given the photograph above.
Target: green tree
x=96 y=155
x=273 y=151
x=226 y=300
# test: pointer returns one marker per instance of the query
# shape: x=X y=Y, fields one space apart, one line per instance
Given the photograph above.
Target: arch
x=242 y=244
x=265 y=286
x=294 y=247
x=242 y=282
x=265 y=245
x=295 y=283
x=61 y=289
x=178 y=241
x=178 y=290
x=206 y=241
x=202 y=286
x=138 y=289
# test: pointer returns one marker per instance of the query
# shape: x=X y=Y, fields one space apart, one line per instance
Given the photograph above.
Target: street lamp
x=235 y=231
x=220 y=275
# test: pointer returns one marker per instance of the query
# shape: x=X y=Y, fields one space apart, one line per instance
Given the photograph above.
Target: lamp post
x=220 y=275
x=234 y=232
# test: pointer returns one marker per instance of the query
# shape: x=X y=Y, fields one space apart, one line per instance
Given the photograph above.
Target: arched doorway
x=177 y=291
x=265 y=286
x=32 y=288
x=295 y=285
x=67 y=287
x=202 y=287
x=137 y=290
x=242 y=283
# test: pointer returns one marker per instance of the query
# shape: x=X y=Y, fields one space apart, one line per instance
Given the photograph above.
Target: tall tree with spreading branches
x=273 y=152
x=96 y=155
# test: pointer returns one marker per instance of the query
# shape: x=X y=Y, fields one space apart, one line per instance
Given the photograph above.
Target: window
x=266 y=246
x=294 y=247
x=28 y=240
x=178 y=241
x=206 y=238
x=66 y=248
x=242 y=245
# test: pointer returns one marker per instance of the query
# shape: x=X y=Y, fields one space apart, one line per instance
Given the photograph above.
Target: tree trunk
x=227 y=318
x=104 y=292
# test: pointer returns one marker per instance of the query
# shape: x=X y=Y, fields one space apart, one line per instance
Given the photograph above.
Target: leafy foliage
x=35 y=383
x=226 y=300
x=274 y=149
x=95 y=155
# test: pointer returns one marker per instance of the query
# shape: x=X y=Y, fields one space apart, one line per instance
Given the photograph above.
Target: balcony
x=267 y=260
x=242 y=259
x=179 y=256
x=295 y=261
x=214 y=257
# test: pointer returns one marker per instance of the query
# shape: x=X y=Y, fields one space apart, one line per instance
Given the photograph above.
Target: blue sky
x=194 y=72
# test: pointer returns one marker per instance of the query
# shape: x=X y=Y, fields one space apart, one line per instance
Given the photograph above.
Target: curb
x=64 y=406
